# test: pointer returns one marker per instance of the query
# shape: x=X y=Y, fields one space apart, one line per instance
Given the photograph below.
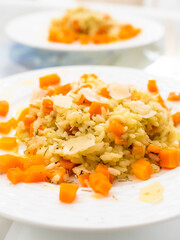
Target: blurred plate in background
x=32 y=30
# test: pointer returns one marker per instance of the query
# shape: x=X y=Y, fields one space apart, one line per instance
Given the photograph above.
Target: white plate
x=38 y=203
x=32 y=30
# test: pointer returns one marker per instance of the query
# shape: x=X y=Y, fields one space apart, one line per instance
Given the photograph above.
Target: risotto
x=94 y=131
x=89 y=26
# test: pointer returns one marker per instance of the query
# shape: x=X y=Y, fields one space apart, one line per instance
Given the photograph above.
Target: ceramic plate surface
x=32 y=30
x=38 y=204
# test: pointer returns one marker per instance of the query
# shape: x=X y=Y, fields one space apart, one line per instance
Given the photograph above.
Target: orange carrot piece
x=47 y=105
x=8 y=143
x=84 y=38
x=8 y=161
x=152 y=87
x=83 y=86
x=161 y=101
x=68 y=192
x=49 y=80
x=31 y=160
x=31 y=130
x=15 y=175
x=176 y=118
x=142 y=169
x=85 y=76
x=173 y=96
x=56 y=171
x=28 y=120
x=64 y=89
x=104 y=170
x=50 y=93
x=138 y=151
x=83 y=178
x=35 y=173
x=83 y=101
x=96 y=108
x=13 y=123
x=119 y=141
x=6 y=127
x=68 y=165
x=4 y=108
x=100 y=183
x=23 y=113
x=116 y=127
x=128 y=31
x=153 y=149
x=104 y=92
x=169 y=158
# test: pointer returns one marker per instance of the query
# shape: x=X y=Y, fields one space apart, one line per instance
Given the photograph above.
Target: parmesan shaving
x=152 y=193
x=92 y=96
x=78 y=144
x=118 y=91
x=140 y=107
x=62 y=101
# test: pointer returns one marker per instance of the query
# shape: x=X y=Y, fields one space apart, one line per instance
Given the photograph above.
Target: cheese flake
x=90 y=95
x=152 y=193
x=119 y=91
x=62 y=101
x=78 y=144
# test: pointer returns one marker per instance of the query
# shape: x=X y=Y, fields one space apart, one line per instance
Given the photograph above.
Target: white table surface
x=16 y=58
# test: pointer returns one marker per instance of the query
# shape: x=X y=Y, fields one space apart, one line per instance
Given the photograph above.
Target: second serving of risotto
x=92 y=130
x=89 y=26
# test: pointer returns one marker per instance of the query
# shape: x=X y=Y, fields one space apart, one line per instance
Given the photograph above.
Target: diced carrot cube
x=49 y=80
x=64 y=89
x=173 y=96
x=8 y=161
x=153 y=149
x=6 y=127
x=68 y=165
x=142 y=169
x=67 y=192
x=23 y=113
x=8 y=143
x=4 y=108
x=15 y=175
x=138 y=151
x=84 y=38
x=100 y=183
x=104 y=170
x=31 y=130
x=35 y=173
x=116 y=127
x=31 y=160
x=176 y=118
x=83 y=178
x=152 y=87
x=169 y=158
x=104 y=92
x=47 y=105
x=96 y=108
x=161 y=101
x=56 y=171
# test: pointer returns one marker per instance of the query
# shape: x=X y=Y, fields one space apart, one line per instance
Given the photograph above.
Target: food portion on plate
x=91 y=132
x=89 y=26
